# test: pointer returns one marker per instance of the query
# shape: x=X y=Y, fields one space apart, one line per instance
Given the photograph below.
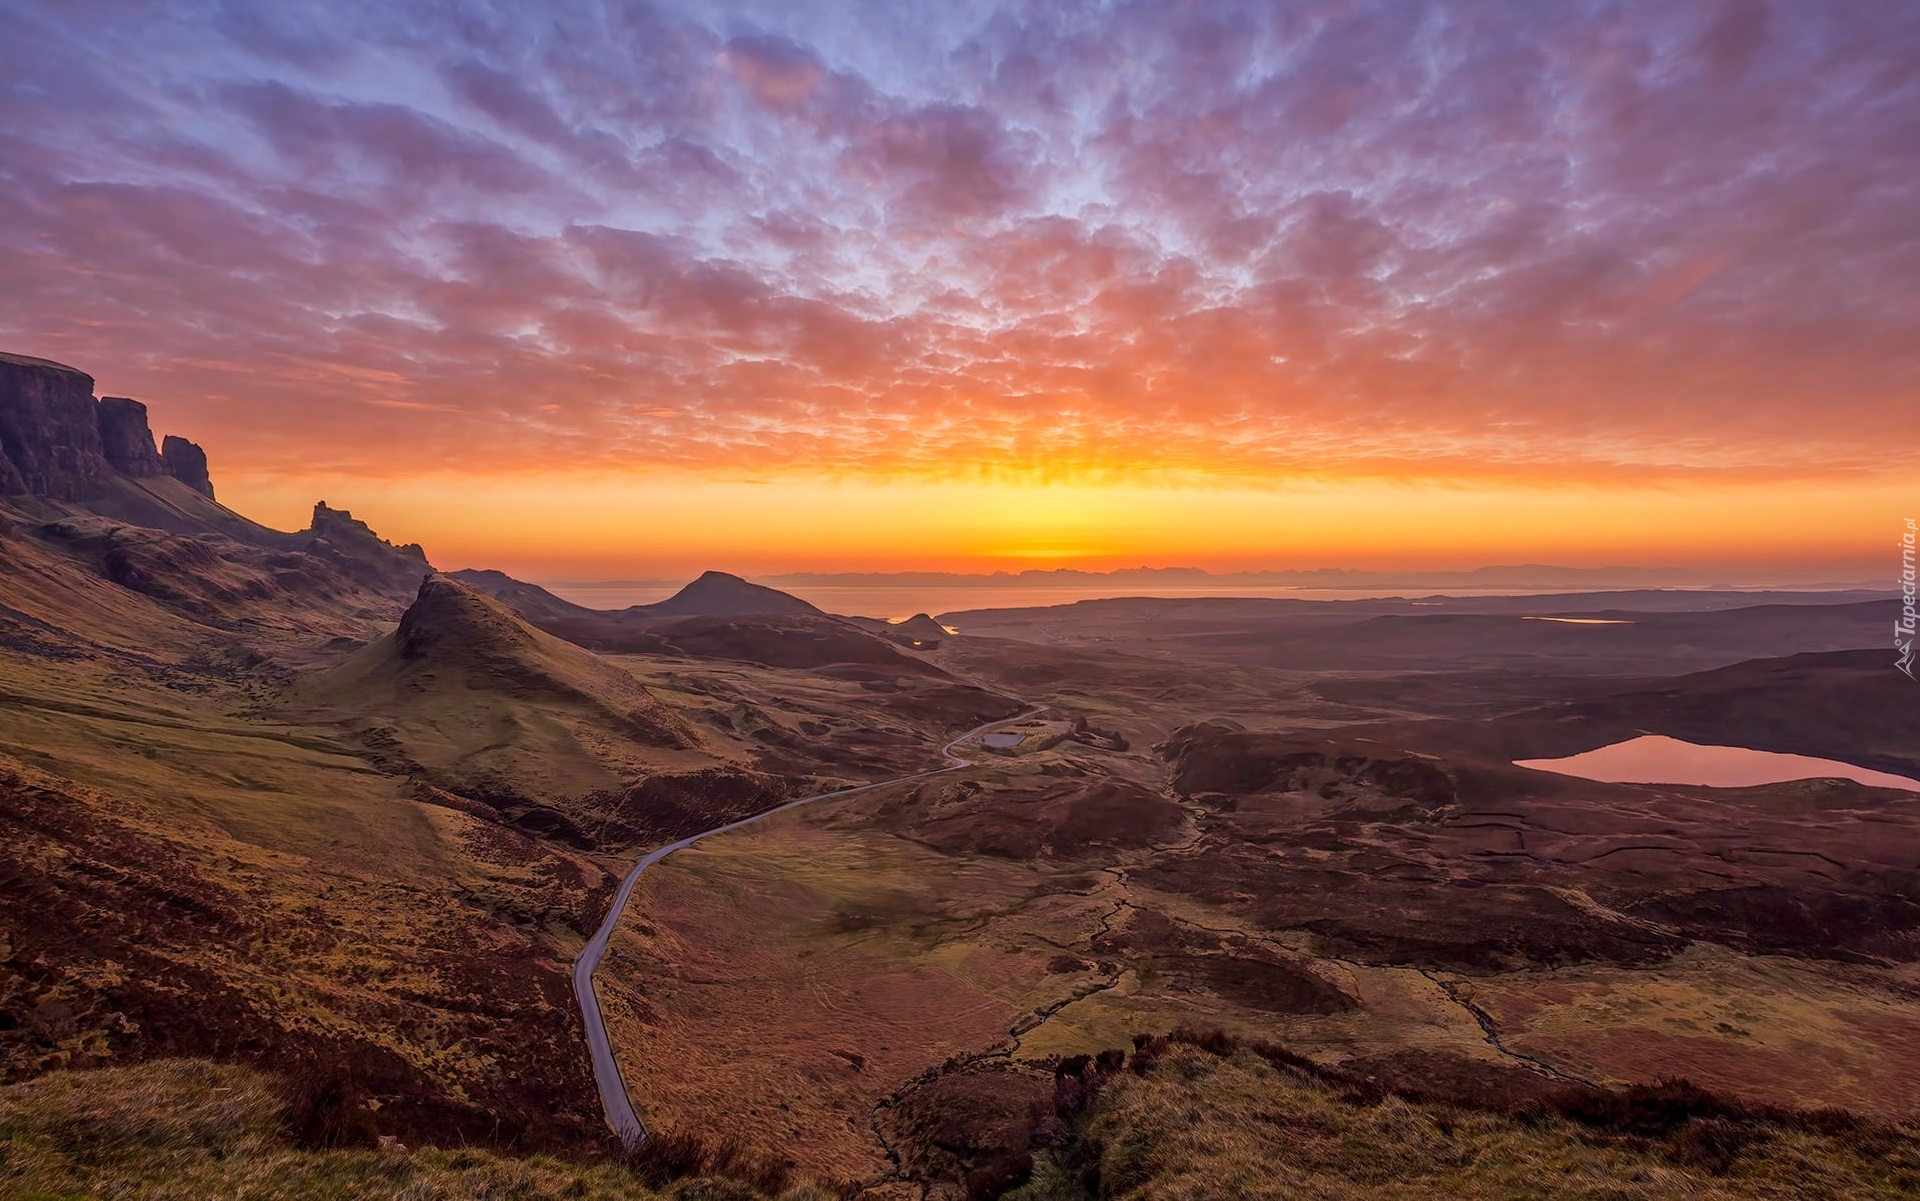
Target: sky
x=592 y=290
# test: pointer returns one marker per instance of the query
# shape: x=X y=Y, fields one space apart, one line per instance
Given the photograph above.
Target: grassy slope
x=189 y=864
x=466 y=688
x=175 y=890
x=187 y=1128
x=1197 y=1124
x=180 y=873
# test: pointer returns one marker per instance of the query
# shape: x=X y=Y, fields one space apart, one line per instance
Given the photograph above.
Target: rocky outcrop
x=50 y=430
x=58 y=442
x=352 y=546
x=338 y=525
x=127 y=441
x=186 y=462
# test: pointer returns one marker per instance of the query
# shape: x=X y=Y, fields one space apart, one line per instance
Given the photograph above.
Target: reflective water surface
x=1656 y=759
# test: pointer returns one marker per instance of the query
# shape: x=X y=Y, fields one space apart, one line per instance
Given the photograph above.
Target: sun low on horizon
x=622 y=290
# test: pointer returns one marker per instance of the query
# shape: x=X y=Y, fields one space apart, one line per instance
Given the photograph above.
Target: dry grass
x=757 y=963
x=1735 y=1023
x=752 y=960
x=1230 y=1122
x=188 y=1128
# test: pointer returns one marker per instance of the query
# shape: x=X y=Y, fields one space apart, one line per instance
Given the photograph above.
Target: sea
x=897 y=603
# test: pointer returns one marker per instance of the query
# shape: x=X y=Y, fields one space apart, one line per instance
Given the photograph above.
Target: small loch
x=1657 y=759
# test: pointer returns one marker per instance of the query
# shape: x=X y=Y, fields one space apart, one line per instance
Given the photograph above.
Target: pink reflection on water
x=1657 y=759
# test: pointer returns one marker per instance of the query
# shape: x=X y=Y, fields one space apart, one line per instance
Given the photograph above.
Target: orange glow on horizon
x=668 y=524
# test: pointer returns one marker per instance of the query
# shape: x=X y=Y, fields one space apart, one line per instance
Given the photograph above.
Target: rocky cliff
x=59 y=443
x=187 y=463
x=11 y=483
x=50 y=430
x=126 y=440
x=83 y=488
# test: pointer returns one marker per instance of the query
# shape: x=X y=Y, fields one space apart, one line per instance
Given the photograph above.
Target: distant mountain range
x=1523 y=575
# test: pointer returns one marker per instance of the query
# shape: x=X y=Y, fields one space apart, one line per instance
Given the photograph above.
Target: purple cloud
x=1604 y=238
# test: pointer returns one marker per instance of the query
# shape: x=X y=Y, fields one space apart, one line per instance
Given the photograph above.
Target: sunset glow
x=677 y=522
x=627 y=290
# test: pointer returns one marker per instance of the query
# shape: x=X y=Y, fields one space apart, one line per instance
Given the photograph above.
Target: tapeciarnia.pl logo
x=1903 y=625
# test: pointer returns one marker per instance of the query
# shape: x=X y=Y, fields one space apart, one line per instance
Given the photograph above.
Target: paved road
x=606 y=1070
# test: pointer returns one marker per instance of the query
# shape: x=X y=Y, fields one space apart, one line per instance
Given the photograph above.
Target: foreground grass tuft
x=1196 y=1117
x=186 y=1128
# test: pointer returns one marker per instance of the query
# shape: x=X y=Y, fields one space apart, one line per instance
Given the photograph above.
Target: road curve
x=606 y=1070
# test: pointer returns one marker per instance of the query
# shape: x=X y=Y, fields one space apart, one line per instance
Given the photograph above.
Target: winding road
x=606 y=1070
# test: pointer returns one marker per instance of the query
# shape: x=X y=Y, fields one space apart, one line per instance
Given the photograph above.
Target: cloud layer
x=1466 y=239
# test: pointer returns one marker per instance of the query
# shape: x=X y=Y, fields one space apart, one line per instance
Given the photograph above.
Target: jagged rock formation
x=50 y=430
x=127 y=441
x=83 y=485
x=351 y=545
x=58 y=443
x=187 y=463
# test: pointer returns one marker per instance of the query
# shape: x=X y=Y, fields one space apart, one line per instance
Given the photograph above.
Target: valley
x=1421 y=914
x=298 y=803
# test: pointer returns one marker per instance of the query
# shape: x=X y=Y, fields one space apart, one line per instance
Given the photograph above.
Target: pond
x=1656 y=759
x=1004 y=741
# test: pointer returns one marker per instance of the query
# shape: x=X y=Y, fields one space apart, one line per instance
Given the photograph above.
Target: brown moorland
x=1371 y=888
x=295 y=801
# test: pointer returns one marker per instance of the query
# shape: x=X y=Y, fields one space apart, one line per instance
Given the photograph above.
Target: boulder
x=186 y=462
x=127 y=441
x=50 y=430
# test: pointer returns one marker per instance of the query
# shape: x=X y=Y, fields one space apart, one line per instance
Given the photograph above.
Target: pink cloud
x=1616 y=240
